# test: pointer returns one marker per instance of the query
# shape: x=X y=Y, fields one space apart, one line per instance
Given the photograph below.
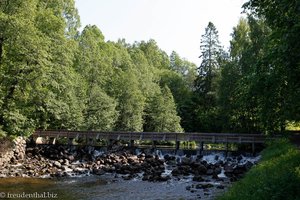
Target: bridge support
x=131 y=143
x=177 y=146
x=227 y=147
x=110 y=143
x=201 y=148
x=70 y=141
x=153 y=144
x=52 y=140
x=253 y=148
x=90 y=141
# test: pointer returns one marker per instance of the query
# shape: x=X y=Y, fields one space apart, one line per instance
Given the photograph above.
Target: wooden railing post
x=131 y=140
x=227 y=146
x=253 y=146
x=177 y=143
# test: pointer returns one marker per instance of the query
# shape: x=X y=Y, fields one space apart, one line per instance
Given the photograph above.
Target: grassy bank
x=277 y=176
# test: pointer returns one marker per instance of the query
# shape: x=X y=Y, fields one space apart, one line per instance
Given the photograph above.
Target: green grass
x=276 y=177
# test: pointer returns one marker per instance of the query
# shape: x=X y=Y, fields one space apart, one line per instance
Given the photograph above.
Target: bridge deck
x=154 y=136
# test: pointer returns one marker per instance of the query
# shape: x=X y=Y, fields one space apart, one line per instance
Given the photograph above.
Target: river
x=112 y=186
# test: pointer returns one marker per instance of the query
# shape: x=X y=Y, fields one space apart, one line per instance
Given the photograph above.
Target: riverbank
x=276 y=177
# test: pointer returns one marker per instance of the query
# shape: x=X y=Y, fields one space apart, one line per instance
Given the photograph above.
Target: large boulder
x=201 y=169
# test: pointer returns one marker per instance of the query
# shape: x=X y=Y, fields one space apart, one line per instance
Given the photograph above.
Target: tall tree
x=231 y=83
x=210 y=51
x=124 y=87
x=93 y=63
x=161 y=113
x=206 y=83
x=243 y=84
x=180 y=79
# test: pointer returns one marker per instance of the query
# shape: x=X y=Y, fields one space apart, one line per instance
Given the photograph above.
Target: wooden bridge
x=91 y=136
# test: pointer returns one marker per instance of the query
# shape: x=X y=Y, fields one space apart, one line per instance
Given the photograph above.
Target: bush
x=276 y=177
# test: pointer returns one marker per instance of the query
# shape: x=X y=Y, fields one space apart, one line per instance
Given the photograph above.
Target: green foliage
x=279 y=65
x=101 y=111
x=275 y=177
x=155 y=56
x=54 y=77
x=35 y=60
x=238 y=97
x=94 y=65
x=131 y=103
x=250 y=94
x=161 y=113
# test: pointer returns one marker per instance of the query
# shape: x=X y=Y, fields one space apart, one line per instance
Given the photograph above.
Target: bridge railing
x=155 y=136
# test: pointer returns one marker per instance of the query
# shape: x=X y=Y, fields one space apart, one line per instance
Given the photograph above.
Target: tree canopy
x=53 y=76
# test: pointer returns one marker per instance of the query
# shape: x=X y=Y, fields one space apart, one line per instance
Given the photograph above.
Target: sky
x=176 y=25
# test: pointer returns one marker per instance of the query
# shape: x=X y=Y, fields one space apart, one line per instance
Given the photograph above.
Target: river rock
x=66 y=162
x=176 y=172
x=239 y=158
x=215 y=176
x=220 y=187
x=218 y=170
x=57 y=164
x=181 y=170
x=204 y=186
x=189 y=187
x=228 y=168
x=198 y=178
x=216 y=157
x=219 y=163
x=66 y=168
x=210 y=172
x=248 y=165
x=98 y=171
x=185 y=161
x=201 y=169
x=239 y=169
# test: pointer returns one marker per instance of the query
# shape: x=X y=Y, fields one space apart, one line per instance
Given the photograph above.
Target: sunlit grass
x=293 y=126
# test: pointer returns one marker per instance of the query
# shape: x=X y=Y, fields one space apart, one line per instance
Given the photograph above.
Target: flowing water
x=110 y=186
x=94 y=187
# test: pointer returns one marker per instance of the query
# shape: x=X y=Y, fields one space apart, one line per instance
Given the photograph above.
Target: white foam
x=253 y=160
x=211 y=158
x=222 y=174
x=159 y=154
x=97 y=153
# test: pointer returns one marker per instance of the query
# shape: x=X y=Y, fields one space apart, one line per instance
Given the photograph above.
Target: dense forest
x=54 y=76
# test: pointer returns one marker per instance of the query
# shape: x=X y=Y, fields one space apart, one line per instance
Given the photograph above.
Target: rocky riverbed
x=202 y=174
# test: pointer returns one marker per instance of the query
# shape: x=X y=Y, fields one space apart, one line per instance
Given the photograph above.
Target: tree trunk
x=1 y=48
